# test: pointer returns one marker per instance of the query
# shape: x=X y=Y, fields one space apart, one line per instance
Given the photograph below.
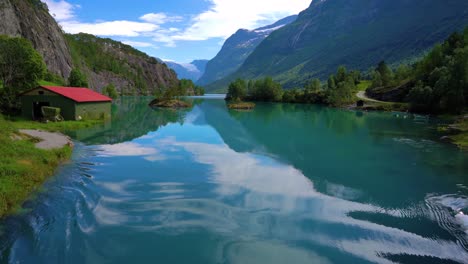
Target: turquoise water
x=280 y=184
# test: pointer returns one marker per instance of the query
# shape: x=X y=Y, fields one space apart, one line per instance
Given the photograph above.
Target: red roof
x=80 y=95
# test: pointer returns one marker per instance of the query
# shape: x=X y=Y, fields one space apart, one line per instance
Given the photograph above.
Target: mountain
x=357 y=34
x=31 y=20
x=106 y=61
x=103 y=61
x=236 y=49
x=192 y=71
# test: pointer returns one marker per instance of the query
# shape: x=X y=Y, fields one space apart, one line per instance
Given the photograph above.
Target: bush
x=110 y=91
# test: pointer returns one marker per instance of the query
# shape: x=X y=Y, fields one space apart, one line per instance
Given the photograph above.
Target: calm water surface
x=280 y=184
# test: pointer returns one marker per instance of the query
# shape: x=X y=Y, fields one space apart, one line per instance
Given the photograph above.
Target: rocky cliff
x=104 y=61
x=30 y=19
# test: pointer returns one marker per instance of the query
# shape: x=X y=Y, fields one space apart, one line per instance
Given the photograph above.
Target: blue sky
x=177 y=30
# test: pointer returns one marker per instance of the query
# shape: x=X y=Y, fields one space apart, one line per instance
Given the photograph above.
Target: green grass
x=461 y=138
x=363 y=85
x=47 y=83
x=23 y=167
x=53 y=126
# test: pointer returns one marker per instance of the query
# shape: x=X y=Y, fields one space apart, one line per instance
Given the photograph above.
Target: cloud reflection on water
x=266 y=190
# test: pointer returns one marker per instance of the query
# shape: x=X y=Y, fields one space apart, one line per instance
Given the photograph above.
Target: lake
x=283 y=183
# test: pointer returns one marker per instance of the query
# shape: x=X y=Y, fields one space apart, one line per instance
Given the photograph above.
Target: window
x=41 y=92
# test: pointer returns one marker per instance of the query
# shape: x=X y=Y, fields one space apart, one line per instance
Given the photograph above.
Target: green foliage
x=313 y=86
x=439 y=79
x=237 y=90
x=420 y=97
x=21 y=68
x=340 y=89
x=187 y=87
x=358 y=43
x=266 y=90
x=77 y=79
x=199 y=90
x=54 y=79
x=110 y=91
x=386 y=73
x=403 y=73
x=445 y=69
x=104 y=54
x=376 y=80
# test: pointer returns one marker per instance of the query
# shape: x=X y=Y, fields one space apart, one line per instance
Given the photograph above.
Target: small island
x=236 y=92
x=241 y=105
x=169 y=103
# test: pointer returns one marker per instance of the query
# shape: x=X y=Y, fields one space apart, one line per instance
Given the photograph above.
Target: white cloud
x=61 y=10
x=221 y=20
x=110 y=28
x=227 y=16
x=126 y=149
x=160 y=18
x=138 y=44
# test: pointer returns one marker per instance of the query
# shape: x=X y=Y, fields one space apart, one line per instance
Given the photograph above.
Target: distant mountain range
x=357 y=34
x=192 y=71
x=236 y=49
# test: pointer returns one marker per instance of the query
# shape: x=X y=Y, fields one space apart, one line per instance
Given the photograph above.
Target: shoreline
x=30 y=153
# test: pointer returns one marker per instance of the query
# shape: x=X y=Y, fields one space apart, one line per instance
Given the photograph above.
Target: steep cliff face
x=30 y=19
x=105 y=61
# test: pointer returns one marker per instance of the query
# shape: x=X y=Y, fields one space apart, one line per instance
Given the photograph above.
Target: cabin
x=75 y=103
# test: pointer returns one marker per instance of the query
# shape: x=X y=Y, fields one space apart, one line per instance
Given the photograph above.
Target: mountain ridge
x=356 y=34
x=192 y=71
x=236 y=49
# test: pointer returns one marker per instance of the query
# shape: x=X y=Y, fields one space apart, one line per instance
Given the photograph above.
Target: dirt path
x=49 y=140
x=362 y=95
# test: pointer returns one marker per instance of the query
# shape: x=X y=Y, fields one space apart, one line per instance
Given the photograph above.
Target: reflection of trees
x=357 y=150
x=131 y=118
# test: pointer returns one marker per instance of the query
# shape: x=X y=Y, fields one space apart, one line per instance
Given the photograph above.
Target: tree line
x=438 y=82
x=337 y=91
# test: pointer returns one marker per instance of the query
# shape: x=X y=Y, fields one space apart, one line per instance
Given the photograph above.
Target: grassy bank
x=20 y=123
x=23 y=167
x=458 y=133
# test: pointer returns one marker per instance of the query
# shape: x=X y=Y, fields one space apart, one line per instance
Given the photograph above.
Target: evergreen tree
x=385 y=72
x=77 y=79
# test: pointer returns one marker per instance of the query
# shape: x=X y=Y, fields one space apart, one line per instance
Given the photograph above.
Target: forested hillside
x=357 y=34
